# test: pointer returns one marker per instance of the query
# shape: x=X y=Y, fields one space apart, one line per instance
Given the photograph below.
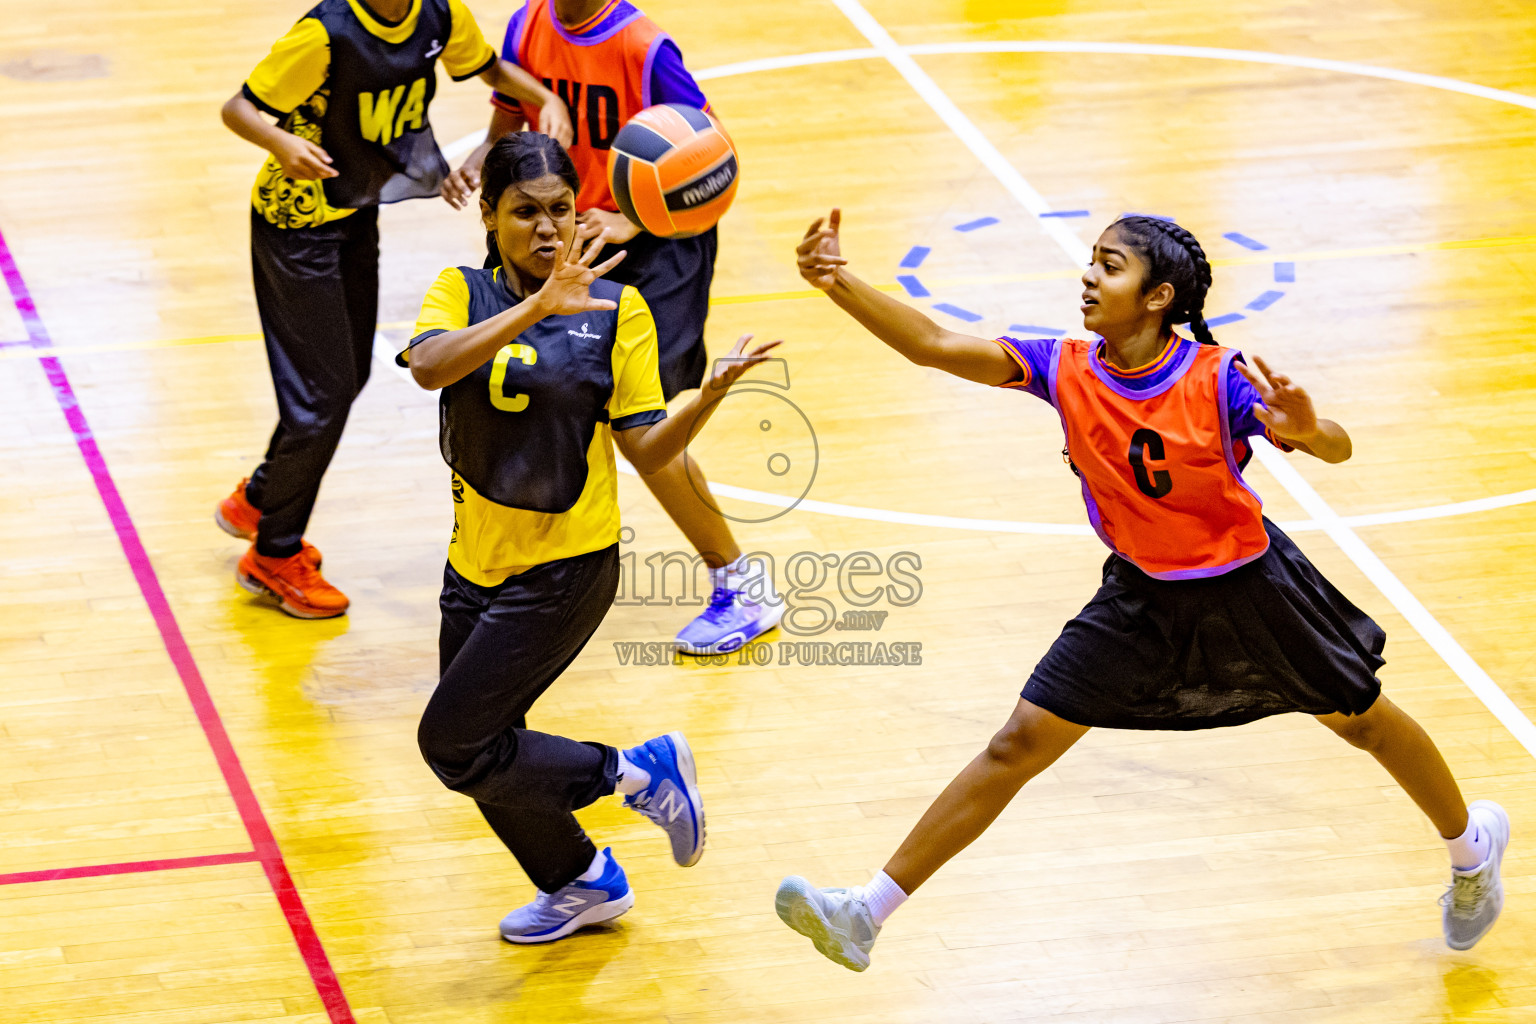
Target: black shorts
x=1268 y=637
x=673 y=275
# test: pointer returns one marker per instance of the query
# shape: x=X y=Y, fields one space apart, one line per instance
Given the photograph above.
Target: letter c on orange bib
x=672 y=170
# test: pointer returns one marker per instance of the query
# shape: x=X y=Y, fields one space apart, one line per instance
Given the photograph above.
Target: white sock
x=883 y=896
x=595 y=869
x=632 y=778
x=1470 y=849
x=752 y=580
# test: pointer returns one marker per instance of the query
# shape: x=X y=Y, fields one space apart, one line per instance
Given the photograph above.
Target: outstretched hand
x=1287 y=409
x=566 y=290
x=459 y=187
x=728 y=369
x=820 y=252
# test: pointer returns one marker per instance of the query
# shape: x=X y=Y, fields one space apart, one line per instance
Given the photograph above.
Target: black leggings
x=317 y=290
x=499 y=649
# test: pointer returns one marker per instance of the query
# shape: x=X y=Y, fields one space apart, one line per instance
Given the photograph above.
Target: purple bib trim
x=645 y=72
x=1200 y=574
x=605 y=30
x=1050 y=379
x=1058 y=353
x=1103 y=373
x=1226 y=426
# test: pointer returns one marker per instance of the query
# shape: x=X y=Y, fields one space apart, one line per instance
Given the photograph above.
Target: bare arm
x=447 y=358
x=1287 y=411
x=510 y=80
x=460 y=186
x=898 y=325
x=302 y=160
x=651 y=447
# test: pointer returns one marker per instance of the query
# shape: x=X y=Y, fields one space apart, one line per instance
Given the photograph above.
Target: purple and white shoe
x=731 y=621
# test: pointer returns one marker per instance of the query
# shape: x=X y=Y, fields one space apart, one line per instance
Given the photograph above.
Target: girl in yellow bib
x=544 y=367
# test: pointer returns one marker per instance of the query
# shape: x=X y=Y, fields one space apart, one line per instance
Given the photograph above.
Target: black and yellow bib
x=374 y=123
x=518 y=428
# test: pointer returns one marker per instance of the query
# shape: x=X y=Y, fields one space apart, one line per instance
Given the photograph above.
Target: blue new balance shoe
x=554 y=915
x=672 y=798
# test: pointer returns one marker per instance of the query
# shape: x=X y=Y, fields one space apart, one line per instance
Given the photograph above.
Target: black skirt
x=1268 y=637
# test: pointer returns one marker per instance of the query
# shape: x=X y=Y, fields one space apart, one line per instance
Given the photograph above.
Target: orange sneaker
x=239 y=518
x=294 y=582
x=236 y=516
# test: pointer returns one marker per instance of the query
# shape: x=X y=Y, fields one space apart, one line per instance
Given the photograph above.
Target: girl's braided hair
x=1172 y=254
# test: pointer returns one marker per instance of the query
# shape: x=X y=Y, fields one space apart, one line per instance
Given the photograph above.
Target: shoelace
x=1465 y=893
x=641 y=802
x=305 y=577
x=720 y=603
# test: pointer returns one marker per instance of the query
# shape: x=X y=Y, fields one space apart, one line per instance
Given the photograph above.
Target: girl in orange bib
x=1208 y=614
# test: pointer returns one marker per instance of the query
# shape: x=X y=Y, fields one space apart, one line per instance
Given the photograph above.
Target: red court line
x=129 y=867
x=266 y=849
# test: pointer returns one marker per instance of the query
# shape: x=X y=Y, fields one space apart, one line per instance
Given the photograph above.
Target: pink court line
x=265 y=845
x=129 y=867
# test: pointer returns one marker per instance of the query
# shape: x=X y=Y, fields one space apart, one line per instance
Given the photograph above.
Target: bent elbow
x=425 y=378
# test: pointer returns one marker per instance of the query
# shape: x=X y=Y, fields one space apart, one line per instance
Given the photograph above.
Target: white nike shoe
x=1475 y=898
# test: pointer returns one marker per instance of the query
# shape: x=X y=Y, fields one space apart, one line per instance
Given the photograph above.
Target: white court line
x=1428 y=627
x=881 y=515
x=384 y=351
x=462 y=147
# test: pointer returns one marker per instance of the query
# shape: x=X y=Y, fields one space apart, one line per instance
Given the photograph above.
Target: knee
x=1013 y=747
x=441 y=750
x=1364 y=731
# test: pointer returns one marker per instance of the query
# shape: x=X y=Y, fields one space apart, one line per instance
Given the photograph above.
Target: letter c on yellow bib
x=518 y=402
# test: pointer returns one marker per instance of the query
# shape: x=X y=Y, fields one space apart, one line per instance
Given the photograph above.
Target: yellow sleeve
x=444 y=308
x=467 y=53
x=636 y=399
x=294 y=70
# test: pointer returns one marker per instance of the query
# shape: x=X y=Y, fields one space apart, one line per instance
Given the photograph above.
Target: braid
x=1173 y=255
x=1194 y=307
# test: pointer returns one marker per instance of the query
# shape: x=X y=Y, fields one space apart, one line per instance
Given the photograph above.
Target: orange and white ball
x=672 y=170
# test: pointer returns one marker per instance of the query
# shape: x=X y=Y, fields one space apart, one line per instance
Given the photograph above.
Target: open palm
x=567 y=289
x=1287 y=410
x=729 y=368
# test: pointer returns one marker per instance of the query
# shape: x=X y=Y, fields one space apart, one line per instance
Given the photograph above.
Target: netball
x=673 y=170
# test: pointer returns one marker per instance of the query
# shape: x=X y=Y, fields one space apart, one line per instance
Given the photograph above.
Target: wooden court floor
x=212 y=813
